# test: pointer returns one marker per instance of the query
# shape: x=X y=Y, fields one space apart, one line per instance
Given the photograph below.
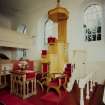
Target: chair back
x=16 y=65
x=30 y=65
x=68 y=70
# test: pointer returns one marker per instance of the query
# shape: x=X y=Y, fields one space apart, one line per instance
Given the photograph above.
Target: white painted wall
x=11 y=38
x=5 y=21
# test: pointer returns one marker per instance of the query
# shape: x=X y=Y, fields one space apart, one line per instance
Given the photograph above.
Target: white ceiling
x=13 y=7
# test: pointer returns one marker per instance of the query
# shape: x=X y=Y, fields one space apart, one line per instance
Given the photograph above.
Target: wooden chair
x=60 y=80
x=23 y=79
x=41 y=76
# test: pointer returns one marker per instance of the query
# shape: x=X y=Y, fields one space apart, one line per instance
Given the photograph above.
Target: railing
x=71 y=80
x=104 y=96
x=21 y=86
x=82 y=83
x=85 y=82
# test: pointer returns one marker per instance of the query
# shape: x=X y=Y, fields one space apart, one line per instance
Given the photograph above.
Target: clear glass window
x=93 y=23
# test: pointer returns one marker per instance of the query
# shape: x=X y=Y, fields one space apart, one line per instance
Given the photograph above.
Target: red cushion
x=68 y=70
x=51 y=39
x=30 y=74
x=45 y=67
x=44 y=52
x=68 y=65
x=29 y=69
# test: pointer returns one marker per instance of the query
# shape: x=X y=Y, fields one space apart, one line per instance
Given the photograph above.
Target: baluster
x=27 y=86
x=93 y=83
x=17 y=81
x=17 y=85
x=81 y=97
x=20 y=89
x=32 y=86
x=72 y=68
x=5 y=80
x=87 y=91
x=24 y=87
x=0 y=79
x=20 y=86
x=91 y=86
x=104 y=96
x=11 y=77
x=34 y=82
x=59 y=81
x=77 y=81
x=13 y=83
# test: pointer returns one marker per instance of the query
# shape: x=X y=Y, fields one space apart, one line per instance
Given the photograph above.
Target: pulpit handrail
x=83 y=81
x=104 y=95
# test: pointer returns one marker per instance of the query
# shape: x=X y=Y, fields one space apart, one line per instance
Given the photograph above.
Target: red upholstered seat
x=30 y=74
x=30 y=65
x=50 y=39
x=23 y=79
x=44 y=52
x=28 y=70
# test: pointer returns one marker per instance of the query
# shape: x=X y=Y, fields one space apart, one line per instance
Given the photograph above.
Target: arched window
x=51 y=29
x=93 y=23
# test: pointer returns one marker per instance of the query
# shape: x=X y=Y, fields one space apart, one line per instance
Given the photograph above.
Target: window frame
x=92 y=37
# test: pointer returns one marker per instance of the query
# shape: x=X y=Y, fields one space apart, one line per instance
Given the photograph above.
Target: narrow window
x=50 y=30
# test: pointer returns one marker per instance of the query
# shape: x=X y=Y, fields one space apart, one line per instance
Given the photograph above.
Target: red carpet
x=10 y=99
x=52 y=98
x=38 y=99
